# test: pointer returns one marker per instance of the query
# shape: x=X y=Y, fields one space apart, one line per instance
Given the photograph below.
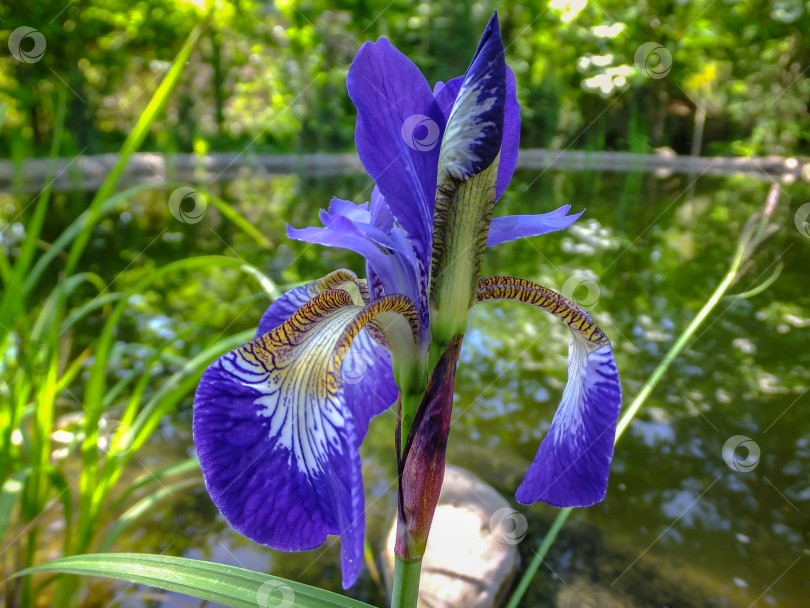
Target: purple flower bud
x=421 y=467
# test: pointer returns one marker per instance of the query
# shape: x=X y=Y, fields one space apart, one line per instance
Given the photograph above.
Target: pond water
x=679 y=527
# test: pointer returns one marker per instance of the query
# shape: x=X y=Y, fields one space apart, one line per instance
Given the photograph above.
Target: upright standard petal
x=398 y=132
x=277 y=442
x=465 y=193
x=572 y=466
x=511 y=135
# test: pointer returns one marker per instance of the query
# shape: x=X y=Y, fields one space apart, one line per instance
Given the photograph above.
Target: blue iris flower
x=278 y=422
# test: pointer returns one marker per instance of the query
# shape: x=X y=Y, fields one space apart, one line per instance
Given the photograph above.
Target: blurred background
x=667 y=121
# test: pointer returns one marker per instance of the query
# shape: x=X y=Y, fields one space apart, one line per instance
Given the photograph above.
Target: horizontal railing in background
x=88 y=172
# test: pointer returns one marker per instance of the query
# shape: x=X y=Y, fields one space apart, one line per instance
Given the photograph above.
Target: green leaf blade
x=228 y=585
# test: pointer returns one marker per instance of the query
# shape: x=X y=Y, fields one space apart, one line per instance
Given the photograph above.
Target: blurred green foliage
x=272 y=75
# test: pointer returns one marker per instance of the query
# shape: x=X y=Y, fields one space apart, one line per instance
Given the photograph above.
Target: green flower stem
x=673 y=352
x=626 y=418
x=528 y=576
x=405 y=593
x=410 y=405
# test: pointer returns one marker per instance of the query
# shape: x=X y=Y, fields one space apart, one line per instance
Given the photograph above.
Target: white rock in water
x=472 y=555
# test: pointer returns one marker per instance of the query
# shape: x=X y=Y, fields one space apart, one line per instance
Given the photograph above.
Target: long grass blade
x=228 y=585
x=9 y=494
x=132 y=143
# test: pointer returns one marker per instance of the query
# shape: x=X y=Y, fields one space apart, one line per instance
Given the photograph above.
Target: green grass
x=40 y=363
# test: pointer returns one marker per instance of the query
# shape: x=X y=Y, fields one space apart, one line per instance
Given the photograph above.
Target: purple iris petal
x=367 y=372
x=391 y=256
x=398 y=134
x=474 y=131
x=283 y=307
x=368 y=381
x=511 y=135
x=278 y=444
x=251 y=478
x=381 y=218
x=571 y=467
x=446 y=93
x=513 y=227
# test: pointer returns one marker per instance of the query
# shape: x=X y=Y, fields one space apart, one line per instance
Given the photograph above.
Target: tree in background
x=711 y=78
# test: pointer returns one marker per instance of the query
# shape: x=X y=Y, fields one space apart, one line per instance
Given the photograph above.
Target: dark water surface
x=679 y=527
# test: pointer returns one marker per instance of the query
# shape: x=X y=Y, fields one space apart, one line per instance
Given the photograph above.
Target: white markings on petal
x=300 y=405
x=591 y=370
x=467 y=127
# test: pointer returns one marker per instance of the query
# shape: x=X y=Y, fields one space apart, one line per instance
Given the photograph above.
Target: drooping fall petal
x=571 y=467
x=368 y=377
x=276 y=438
